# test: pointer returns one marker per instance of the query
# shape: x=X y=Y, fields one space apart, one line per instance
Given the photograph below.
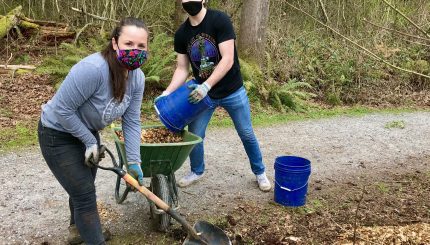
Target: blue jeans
x=237 y=106
x=64 y=155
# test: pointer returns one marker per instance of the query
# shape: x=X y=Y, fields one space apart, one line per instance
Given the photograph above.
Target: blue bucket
x=174 y=110
x=291 y=180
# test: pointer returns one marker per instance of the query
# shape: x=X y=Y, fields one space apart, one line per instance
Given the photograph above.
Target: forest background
x=297 y=57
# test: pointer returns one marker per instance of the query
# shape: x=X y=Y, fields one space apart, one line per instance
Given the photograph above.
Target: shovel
x=202 y=232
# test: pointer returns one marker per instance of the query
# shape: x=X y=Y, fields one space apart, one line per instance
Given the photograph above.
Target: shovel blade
x=209 y=234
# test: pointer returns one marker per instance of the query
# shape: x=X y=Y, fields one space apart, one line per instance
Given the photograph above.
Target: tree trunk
x=8 y=21
x=48 y=30
x=179 y=14
x=253 y=25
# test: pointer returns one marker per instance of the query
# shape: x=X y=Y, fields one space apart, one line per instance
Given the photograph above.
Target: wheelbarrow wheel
x=160 y=187
x=121 y=187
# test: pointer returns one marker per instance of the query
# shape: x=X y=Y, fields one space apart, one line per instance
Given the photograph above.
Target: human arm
x=179 y=76
x=131 y=126
x=131 y=122
x=181 y=73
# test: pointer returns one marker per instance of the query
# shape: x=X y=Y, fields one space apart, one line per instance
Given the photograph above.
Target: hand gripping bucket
x=291 y=180
x=174 y=110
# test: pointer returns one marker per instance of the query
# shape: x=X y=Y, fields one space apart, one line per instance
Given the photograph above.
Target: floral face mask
x=132 y=58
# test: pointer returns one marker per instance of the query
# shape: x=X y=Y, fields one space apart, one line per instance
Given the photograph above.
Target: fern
x=295 y=94
x=262 y=86
x=159 y=68
x=68 y=55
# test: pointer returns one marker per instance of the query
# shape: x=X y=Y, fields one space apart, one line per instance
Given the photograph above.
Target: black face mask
x=193 y=7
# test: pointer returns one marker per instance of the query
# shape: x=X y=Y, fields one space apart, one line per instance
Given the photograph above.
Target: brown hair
x=117 y=76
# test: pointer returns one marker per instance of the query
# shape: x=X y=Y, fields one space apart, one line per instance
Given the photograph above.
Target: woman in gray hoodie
x=99 y=89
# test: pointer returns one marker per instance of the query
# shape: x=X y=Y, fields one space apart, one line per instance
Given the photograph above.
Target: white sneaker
x=188 y=179
x=263 y=182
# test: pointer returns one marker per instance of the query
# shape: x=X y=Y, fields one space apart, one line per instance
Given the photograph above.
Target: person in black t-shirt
x=206 y=40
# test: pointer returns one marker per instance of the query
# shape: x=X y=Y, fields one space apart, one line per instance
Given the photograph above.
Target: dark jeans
x=64 y=155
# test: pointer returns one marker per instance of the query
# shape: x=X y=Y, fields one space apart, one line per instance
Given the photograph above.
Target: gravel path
x=34 y=209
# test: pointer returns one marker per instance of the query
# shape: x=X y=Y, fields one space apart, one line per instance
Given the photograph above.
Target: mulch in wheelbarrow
x=155 y=135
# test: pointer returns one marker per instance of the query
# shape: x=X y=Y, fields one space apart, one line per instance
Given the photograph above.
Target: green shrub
x=68 y=55
x=160 y=66
x=261 y=86
x=158 y=70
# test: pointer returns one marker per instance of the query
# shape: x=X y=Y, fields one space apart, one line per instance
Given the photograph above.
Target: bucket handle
x=158 y=112
x=156 y=109
x=288 y=189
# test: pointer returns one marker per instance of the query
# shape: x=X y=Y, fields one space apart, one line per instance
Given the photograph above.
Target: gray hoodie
x=85 y=103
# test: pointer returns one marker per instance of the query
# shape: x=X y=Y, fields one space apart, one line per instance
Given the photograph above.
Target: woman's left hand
x=135 y=171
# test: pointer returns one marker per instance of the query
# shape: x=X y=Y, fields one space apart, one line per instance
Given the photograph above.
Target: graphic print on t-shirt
x=203 y=54
x=114 y=110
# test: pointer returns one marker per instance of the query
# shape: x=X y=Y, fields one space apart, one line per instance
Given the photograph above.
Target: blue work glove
x=199 y=92
x=135 y=171
x=92 y=155
x=165 y=93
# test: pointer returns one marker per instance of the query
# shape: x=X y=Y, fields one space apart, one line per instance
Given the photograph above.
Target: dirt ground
x=22 y=96
x=356 y=162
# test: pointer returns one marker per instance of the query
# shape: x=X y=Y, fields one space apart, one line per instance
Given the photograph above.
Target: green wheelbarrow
x=159 y=162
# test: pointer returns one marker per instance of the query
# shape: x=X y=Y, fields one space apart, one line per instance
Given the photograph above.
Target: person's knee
x=85 y=200
x=199 y=132
x=247 y=135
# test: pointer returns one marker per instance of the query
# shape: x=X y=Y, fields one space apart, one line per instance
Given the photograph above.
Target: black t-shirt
x=200 y=44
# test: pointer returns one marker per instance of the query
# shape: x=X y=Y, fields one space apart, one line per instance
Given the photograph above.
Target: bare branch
x=418 y=43
x=126 y=8
x=8 y=60
x=366 y=51
x=324 y=11
x=142 y=8
x=75 y=41
x=95 y=16
x=398 y=32
x=162 y=26
x=45 y=23
x=356 y=215
x=56 y=5
x=406 y=17
x=15 y=67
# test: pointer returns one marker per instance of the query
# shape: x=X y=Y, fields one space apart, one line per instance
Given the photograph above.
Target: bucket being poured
x=291 y=180
x=174 y=110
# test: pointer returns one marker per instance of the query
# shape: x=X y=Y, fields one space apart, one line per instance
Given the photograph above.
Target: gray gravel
x=34 y=209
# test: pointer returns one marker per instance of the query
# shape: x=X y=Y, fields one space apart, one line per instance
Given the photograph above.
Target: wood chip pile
x=155 y=135
x=409 y=234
